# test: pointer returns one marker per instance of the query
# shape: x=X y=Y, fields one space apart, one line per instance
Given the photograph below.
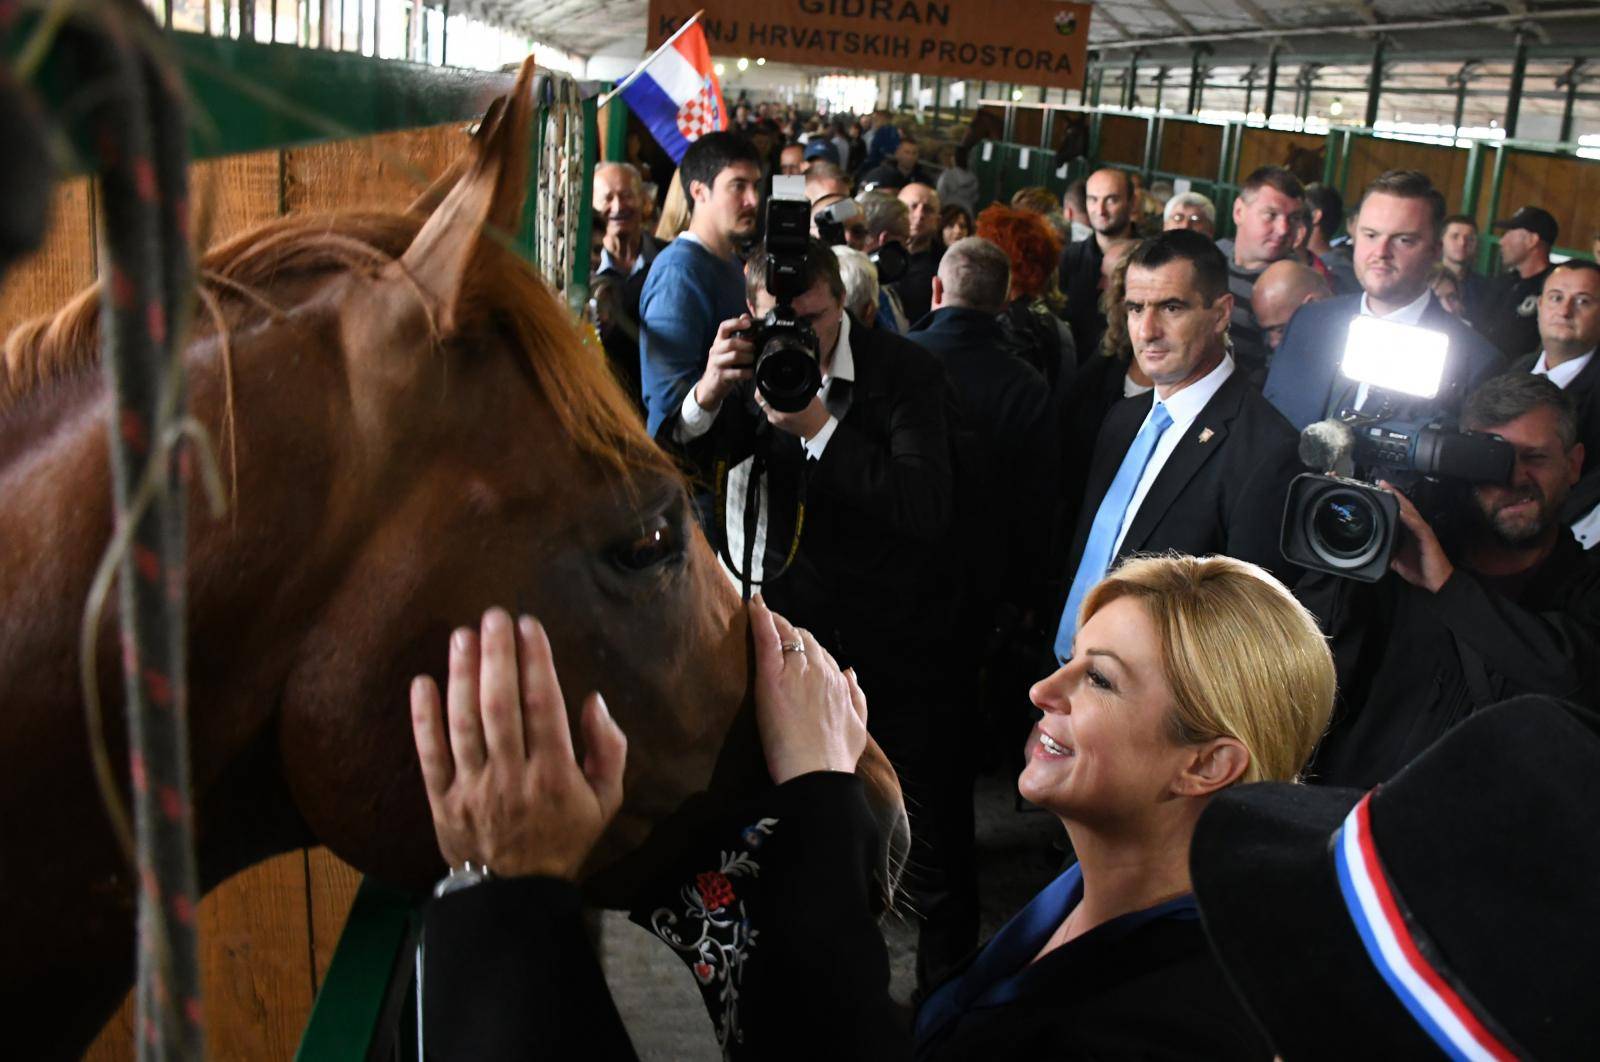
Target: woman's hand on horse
x=813 y=717
x=505 y=786
x=728 y=364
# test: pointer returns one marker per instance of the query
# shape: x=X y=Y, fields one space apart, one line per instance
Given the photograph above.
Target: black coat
x=878 y=509
x=1506 y=311
x=1412 y=664
x=1304 y=381
x=915 y=289
x=1013 y=487
x=1224 y=495
x=620 y=336
x=1585 y=393
x=1082 y=283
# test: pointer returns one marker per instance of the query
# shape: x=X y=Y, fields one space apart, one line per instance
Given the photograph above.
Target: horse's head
x=450 y=443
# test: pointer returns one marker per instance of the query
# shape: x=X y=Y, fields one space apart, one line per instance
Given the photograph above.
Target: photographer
x=868 y=458
x=1513 y=608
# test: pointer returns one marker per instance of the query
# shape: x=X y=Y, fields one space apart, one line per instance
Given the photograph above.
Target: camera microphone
x=1328 y=446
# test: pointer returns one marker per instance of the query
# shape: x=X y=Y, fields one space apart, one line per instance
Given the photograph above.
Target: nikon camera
x=788 y=369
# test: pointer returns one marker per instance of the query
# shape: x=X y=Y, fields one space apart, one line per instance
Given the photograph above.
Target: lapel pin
x=1205 y=435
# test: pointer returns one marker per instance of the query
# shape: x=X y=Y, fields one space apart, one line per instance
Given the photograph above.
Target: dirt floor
x=1019 y=851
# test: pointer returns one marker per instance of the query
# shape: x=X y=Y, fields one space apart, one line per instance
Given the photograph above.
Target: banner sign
x=1023 y=42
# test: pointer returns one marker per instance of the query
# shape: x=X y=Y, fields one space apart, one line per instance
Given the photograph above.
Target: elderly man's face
x=1520 y=512
x=1189 y=217
x=617 y=201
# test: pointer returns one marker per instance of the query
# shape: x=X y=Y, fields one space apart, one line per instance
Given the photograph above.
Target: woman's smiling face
x=1105 y=752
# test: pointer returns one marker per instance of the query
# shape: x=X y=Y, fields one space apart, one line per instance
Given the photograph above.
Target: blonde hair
x=1242 y=657
x=674 y=212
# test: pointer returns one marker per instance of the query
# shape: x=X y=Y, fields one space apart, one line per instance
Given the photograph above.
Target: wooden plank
x=63 y=265
x=1122 y=139
x=1191 y=149
x=234 y=194
x=1564 y=186
x=333 y=889
x=255 y=963
x=1272 y=147
x=374 y=173
x=1372 y=156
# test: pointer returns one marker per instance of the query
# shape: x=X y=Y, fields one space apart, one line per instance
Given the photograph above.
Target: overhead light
x=721 y=68
x=744 y=64
x=1336 y=108
x=1016 y=95
x=761 y=62
x=1494 y=123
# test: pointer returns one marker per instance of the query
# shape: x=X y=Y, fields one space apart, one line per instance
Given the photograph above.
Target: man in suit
x=1204 y=467
x=1396 y=245
x=863 y=565
x=1569 y=332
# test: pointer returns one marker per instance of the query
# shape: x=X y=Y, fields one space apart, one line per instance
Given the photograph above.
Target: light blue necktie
x=1108 y=521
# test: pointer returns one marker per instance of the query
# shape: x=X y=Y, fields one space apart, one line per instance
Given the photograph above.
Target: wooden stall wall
x=1567 y=187
x=1122 y=139
x=1192 y=149
x=1274 y=147
x=268 y=934
x=1371 y=156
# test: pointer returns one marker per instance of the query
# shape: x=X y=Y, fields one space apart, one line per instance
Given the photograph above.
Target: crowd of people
x=1048 y=462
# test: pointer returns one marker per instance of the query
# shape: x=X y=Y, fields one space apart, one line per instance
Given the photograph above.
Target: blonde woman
x=1189 y=675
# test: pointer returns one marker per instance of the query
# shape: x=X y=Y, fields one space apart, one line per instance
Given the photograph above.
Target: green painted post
x=1331 y=153
x=1473 y=179
x=371 y=950
x=1488 y=246
x=1153 y=130
x=938 y=100
x=1570 y=101
x=1344 y=161
x=616 y=149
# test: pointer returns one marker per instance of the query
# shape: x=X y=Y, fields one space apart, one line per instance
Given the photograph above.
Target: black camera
x=788 y=369
x=1344 y=525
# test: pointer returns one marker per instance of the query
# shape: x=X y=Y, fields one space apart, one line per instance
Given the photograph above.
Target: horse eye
x=655 y=546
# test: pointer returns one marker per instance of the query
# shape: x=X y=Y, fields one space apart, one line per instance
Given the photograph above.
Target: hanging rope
x=125 y=106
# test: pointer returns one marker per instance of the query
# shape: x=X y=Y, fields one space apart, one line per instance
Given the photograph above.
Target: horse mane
x=237 y=279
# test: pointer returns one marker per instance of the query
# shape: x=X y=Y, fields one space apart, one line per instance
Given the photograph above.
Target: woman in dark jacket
x=1189 y=675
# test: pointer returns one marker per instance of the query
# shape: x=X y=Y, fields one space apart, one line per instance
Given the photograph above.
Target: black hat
x=1473 y=876
x=1537 y=221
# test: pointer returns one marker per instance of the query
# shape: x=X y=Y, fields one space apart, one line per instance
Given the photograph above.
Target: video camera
x=788 y=368
x=1338 y=522
x=891 y=260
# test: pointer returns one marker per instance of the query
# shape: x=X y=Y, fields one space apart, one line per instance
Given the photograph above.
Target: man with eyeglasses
x=1569 y=332
x=1190 y=210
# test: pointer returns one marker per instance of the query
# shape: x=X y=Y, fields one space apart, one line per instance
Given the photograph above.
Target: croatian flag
x=677 y=95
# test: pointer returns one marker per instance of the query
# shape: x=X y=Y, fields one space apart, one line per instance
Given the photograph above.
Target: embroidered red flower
x=716 y=891
x=703 y=972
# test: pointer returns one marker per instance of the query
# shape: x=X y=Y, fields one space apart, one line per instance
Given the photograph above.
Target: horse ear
x=426 y=203
x=475 y=206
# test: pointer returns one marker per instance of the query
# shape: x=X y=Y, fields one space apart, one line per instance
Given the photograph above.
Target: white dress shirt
x=1562 y=375
x=1183 y=407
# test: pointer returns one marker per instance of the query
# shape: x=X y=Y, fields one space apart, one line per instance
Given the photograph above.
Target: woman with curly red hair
x=1032 y=318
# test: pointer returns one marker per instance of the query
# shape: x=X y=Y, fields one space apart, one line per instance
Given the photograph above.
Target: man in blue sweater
x=697 y=281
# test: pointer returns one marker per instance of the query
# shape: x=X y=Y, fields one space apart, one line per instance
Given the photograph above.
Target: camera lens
x=1346 y=528
x=787 y=374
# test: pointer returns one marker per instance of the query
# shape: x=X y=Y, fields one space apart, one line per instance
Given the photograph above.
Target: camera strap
x=752 y=520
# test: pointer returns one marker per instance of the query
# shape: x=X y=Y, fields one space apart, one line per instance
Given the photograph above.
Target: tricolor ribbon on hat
x=1402 y=953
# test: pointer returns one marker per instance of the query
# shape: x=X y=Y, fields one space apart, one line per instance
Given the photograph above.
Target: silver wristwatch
x=465 y=876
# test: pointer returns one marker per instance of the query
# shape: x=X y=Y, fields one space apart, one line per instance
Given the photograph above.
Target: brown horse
x=412 y=431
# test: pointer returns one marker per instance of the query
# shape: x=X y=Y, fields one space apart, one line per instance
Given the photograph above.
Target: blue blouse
x=999 y=971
